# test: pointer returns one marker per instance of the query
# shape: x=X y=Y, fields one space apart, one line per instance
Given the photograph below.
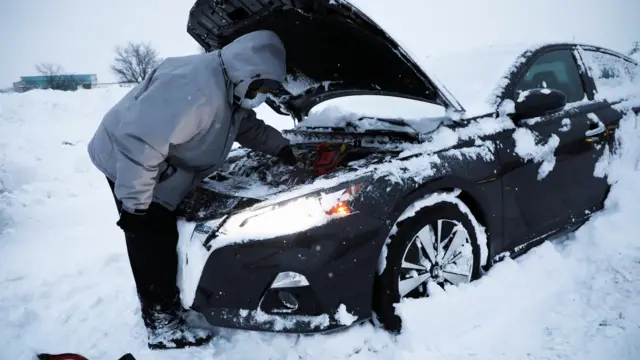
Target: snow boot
x=168 y=329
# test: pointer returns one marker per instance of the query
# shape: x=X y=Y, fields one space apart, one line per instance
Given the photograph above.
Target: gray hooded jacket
x=183 y=114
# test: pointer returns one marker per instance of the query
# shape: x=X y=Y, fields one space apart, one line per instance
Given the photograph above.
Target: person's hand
x=133 y=224
x=287 y=156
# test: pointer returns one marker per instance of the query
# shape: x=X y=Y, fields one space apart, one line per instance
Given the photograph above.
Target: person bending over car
x=164 y=137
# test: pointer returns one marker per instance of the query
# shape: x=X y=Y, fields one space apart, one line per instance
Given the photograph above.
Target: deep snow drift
x=66 y=285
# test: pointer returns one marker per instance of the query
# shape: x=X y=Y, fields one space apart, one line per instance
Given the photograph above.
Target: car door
x=548 y=163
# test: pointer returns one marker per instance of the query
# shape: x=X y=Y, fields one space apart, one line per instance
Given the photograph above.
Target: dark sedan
x=376 y=214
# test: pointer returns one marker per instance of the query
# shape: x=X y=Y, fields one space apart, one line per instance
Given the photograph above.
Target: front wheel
x=438 y=245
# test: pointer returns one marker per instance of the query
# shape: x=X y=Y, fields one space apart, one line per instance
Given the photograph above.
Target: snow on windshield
x=361 y=113
x=475 y=76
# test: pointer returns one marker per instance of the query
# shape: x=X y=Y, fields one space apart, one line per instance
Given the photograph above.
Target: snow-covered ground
x=65 y=283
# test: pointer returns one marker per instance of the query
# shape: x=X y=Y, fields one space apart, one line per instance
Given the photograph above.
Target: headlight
x=290 y=216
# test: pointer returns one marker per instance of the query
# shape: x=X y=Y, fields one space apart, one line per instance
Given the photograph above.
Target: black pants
x=154 y=259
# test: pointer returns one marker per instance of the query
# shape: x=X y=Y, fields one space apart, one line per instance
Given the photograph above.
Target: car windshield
x=473 y=75
x=364 y=113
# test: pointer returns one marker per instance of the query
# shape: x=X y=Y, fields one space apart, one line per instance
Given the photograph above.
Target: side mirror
x=538 y=102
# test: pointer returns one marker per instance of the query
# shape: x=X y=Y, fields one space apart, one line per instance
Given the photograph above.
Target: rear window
x=610 y=73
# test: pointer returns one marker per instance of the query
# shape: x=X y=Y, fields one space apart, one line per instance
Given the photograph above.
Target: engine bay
x=250 y=177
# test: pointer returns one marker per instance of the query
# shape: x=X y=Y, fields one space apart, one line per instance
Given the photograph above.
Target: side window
x=609 y=72
x=554 y=70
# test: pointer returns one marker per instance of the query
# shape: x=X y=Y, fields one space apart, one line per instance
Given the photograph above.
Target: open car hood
x=333 y=49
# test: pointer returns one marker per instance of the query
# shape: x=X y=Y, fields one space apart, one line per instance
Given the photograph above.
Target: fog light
x=289 y=279
x=288 y=300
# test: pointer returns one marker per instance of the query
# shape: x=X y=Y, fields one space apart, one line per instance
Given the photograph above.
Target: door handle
x=593 y=132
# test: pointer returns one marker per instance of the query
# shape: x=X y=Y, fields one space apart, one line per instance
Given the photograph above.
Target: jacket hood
x=256 y=55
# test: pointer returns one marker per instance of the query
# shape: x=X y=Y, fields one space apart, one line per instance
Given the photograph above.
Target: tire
x=405 y=242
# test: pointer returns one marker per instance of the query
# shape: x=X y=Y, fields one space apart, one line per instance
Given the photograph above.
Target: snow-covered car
x=383 y=209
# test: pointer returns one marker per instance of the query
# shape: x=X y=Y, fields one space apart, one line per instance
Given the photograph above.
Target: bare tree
x=55 y=78
x=48 y=69
x=134 y=62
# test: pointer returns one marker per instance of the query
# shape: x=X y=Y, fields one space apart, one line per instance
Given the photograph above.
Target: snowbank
x=66 y=284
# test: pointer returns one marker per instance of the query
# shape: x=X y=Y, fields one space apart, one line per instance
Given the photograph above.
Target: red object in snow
x=70 y=356
x=66 y=356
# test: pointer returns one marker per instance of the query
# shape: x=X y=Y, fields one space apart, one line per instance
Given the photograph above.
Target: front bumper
x=338 y=260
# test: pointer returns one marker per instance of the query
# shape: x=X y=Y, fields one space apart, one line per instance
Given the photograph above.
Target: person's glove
x=287 y=156
x=133 y=224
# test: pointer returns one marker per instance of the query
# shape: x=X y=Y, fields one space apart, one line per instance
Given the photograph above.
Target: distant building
x=59 y=82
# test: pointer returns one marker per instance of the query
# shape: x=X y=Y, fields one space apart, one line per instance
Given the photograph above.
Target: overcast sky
x=81 y=35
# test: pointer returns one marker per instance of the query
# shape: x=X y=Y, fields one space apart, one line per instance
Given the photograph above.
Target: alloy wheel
x=440 y=252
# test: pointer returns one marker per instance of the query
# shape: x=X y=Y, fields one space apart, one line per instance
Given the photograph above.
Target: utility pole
x=635 y=49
